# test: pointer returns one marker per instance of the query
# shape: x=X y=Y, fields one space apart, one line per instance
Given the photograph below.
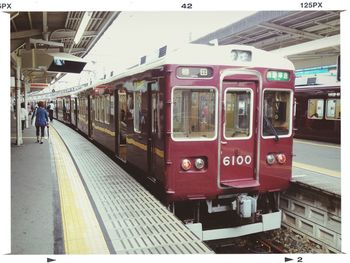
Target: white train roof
x=195 y=54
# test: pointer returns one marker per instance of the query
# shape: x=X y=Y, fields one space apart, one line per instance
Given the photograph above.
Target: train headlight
x=281 y=158
x=270 y=159
x=199 y=163
x=186 y=164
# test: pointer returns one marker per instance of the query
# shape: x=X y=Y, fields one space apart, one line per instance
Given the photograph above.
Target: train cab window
x=194 y=114
x=315 y=108
x=277 y=113
x=333 y=109
x=238 y=113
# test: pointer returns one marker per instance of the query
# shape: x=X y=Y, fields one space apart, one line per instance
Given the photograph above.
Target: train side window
x=102 y=108
x=315 y=109
x=86 y=107
x=333 y=109
x=137 y=111
x=99 y=108
x=194 y=113
x=154 y=112
x=95 y=107
x=277 y=113
x=238 y=113
x=107 y=108
x=67 y=105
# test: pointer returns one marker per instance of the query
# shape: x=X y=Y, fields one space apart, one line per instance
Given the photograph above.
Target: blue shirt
x=41 y=117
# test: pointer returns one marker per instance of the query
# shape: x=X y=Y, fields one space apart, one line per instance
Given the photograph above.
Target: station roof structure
x=55 y=32
x=274 y=30
x=307 y=38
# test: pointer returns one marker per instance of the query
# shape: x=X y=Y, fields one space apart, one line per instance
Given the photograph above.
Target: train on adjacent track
x=212 y=125
x=318 y=111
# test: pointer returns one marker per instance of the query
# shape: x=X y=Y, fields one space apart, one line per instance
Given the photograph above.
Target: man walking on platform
x=51 y=108
x=41 y=120
x=24 y=115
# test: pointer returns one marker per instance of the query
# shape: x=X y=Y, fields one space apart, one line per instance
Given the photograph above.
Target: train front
x=229 y=146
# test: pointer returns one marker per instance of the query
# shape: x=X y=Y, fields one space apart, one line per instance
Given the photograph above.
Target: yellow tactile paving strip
x=316 y=169
x=82 y=232
x=135 y=222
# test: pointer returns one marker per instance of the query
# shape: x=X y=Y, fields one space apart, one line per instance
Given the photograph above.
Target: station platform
x=68 y=197
x=317 y=165
x=32 y=195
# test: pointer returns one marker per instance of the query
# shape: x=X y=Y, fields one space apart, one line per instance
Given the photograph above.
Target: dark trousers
x=23 y=124
x=42 y=129
x=51 y=115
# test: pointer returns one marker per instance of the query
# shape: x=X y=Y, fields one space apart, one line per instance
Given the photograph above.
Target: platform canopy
x=61 y=39
x=275 y=30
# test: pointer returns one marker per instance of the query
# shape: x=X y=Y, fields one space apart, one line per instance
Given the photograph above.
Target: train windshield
x=194 y=113
x=277 y=113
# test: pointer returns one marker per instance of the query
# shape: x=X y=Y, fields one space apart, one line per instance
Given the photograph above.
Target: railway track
x=272 y=242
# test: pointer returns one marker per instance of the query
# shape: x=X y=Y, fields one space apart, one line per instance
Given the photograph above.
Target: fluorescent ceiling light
x=83 y=24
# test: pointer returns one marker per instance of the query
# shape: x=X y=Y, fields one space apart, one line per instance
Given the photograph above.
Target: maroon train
x=317 y=115
x=212 y=125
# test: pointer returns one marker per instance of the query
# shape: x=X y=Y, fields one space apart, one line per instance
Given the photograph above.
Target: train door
x=121 y=125
x=72 y=111
x=238 y=133
x=89 y=111
x=64 y=110
x=76 y=112
x=69 y=114
x=152 y=126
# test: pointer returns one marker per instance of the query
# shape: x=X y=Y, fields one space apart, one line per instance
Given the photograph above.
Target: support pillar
x=19 y=137
x=26 y=89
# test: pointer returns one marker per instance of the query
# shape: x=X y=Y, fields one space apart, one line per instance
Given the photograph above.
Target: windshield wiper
x=269 y=124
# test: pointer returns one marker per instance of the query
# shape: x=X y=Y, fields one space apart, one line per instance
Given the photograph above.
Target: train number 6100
x=239 y=160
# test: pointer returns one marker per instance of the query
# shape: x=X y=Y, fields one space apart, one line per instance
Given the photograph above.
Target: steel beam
x=30 y=20
x=289 y=30
x=318 y=44
x=58 y=35
x=45 y=42
x=242 y=25
x=14 y=24
x=25 y=34
x=45 y=27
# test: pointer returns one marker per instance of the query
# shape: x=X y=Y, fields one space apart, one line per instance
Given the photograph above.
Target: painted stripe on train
x=104 y=130
x=142 y=146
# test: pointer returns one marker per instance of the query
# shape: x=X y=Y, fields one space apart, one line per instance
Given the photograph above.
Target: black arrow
x=50 y=260
x=287 y=259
